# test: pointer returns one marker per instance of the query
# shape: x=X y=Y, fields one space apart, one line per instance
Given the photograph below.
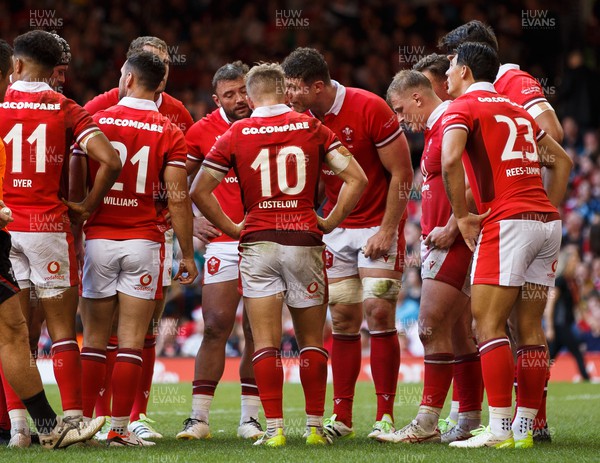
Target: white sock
x=201 y=406
x=469 y=420
x=73 y=413
x=119 y=424
x=523 y=422
x=250 y=407
x=500 y=421
x=428 y=417
x=454 y=410
x=314 y=420
x=18 y=421
x=273 y=424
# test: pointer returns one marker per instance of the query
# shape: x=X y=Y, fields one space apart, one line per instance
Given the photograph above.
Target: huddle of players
x=275 y=157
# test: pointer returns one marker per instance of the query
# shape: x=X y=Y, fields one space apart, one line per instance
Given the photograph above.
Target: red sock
x=437 y=380
x=497 y=367
x=105 y=394
x=268 y=372
x=532 y=368
x=346 y=356
x=204 y=387
x=249 y=386
x=467 y=382
x=143 y=393
x=12 y=399
x=313 y=376
x=126 y=380
x=540 y=418
x=67 y=371
x=93 y=372
x=454 y=386
x=385 y=363
x=4 y=419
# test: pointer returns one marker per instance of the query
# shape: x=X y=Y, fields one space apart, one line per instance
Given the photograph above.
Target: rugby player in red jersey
x=365 y=254
x=524 y=89
x=220 y=297
x=278 y=155
x=35 y=119
x=516 y=239
x=125 y=239
x=174 y=110
x=18 y=366
x=444 y=315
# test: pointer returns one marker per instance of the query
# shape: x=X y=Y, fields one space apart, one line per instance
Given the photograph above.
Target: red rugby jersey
x=277 y=154
x=200 y=139
x=502 y=160
x=147 y=142
x=363 y=122
x=167 y=105
x=38 y=126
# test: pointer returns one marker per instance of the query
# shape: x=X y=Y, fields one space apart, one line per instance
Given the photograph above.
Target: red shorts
x=448 y=265
x=515 y=251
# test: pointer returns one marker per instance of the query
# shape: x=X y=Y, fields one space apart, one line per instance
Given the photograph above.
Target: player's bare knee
x=215 y=333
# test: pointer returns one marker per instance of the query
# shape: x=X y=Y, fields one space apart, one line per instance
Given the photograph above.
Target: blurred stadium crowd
x=365 y=44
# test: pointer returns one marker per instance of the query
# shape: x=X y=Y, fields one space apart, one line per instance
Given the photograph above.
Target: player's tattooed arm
x=558 y=166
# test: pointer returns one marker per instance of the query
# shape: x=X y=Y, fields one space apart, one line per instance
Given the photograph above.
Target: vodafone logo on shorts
x=53 y=267
x=213 y=264
x=312 y=288
x=554 y=265
x=146 y=279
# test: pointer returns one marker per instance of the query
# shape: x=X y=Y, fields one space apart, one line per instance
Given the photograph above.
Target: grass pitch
x=573 y=409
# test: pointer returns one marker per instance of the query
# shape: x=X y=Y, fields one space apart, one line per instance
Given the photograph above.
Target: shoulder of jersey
x=212 y=119
x=172 y=101
x=361 y=94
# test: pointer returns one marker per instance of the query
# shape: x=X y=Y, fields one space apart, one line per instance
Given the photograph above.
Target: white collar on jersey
x=159 y=101
x=504 y=68
x=271 y=110
x=30 y=87
x=224 y=116
x=340 y=94
x=437 y=113
x=138 y=103
x=485 y=86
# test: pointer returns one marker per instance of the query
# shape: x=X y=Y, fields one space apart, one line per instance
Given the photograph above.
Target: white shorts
x=167 y=273
x=221 y=262
x=47 y=260
x=450 y=266
x=268 y=268
x=513 y=252
x=131 y=267
x=344 y=254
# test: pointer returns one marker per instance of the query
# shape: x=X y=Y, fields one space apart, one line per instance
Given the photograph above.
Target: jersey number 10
x=262 y=162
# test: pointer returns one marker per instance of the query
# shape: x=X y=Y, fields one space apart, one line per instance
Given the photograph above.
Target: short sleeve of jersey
x=79 y=119
x=381 y=122
x=187 y=121
x=177 y=155
x=457 y=116
x=192 y=138
x=219 y=156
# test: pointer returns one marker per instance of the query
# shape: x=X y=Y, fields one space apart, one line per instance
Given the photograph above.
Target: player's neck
x=141 y=94
x=324 y=104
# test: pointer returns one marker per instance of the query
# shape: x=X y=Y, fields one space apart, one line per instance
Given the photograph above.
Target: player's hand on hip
x=379 y=244
x=187 y=271
x=470 y=227
x=324 y=225
x=204 y=230
x=78 y=213
x=5 y=215
x=440 y=238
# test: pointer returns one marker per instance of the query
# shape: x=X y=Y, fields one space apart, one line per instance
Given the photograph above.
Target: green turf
x=573 y=409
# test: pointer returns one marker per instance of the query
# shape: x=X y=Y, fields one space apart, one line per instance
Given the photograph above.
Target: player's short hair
x=148 y=69
x=66 y=49
x=138 y=44
x=6 y=53
x=473 y=31
x=408 y=79
x=306 y=64
x=481 y=59
x=39 y=46
x=265 y=79
x=230 y=71
x=436 y=64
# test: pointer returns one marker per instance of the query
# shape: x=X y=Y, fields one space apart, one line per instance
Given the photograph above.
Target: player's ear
x=319 y=85
x=250 y=102
x=216 y=100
